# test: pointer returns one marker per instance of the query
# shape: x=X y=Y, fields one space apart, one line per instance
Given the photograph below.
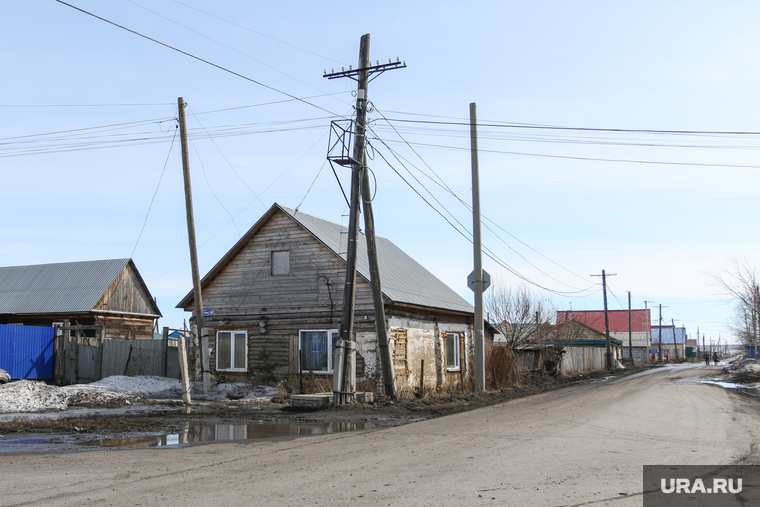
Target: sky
x=616 y=136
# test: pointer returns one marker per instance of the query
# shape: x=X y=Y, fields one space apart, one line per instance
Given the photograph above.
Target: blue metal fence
x=26 y=352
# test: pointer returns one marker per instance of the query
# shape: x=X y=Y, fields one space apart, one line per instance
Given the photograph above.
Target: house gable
x=128 y=294
x=249 y=287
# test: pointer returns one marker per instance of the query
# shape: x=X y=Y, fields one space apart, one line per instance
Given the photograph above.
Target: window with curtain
x=231 y=351
x=316 y=349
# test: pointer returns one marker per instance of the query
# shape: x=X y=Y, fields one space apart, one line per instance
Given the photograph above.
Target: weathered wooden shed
x=107 y=294
x=274 y=302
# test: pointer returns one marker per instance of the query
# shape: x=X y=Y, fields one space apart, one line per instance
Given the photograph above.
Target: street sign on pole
x=486 y=280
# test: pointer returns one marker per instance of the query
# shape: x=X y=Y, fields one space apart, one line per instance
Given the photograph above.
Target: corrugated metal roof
x=68 y=287
x=403 y=279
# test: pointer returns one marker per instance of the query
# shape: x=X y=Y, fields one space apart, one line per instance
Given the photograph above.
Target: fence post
x=165 y=348
x=183 y=375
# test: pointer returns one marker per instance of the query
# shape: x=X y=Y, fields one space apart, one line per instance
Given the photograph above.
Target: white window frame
x=232 y=333
x=281 y=268
x=457 y=351
x=332 y=338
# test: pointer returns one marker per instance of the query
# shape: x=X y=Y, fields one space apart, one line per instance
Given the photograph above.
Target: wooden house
x=569 y=347
x=274 y=302
x=109 y=295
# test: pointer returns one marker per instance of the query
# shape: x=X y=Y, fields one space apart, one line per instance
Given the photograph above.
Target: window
x=280 y=263
x=400 y=350
x=453 y=343
x=316 y=349
x=231 y=351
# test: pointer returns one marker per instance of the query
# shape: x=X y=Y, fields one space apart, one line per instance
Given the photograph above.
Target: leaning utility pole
x=608 y=352
x=675 y=343
x=344 y=382
x=198 y=300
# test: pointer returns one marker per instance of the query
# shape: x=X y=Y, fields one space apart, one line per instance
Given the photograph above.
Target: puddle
x=188 y=434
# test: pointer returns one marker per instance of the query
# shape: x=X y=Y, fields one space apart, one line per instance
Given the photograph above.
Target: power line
x=207 y=62
x=223 y=45
x=259 y=33
x=150 y=206
x=592 y=159
x=162 y=104
x=466 y=235
x=584 y=129
x=468 y=207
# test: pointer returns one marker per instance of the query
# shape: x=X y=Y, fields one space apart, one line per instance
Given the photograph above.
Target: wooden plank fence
x=82 y=359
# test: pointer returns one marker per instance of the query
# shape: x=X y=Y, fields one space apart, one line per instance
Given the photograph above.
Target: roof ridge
x=125 y=259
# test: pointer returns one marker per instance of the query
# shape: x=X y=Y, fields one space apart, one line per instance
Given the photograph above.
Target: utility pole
x=608 y=352
x=649 y=329
x=197 y=298
x=630 y=331
x=660 y=340
x=344 y=384
x=478 y=273
x=675 y=344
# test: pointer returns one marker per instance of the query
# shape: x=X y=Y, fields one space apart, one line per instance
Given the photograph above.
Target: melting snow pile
x=28 y=396
x=34 y=396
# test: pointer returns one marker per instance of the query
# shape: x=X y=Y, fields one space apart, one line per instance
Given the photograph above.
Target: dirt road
x=582 y=445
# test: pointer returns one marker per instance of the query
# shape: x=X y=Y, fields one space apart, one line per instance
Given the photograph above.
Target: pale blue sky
x=689 y=65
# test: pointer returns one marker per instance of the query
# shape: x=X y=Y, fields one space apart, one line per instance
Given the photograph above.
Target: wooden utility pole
x=659 y=358
x=197 y=298
x=344 y=383
x=478 y=288
x=675 y=343
x=608 y=351
x=630 y=330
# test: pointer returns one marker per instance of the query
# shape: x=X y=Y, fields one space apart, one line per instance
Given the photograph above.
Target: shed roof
x=67 y=287
x=403 y=279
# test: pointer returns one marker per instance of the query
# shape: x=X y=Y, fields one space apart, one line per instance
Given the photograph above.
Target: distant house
x=274 y=302
x=673 y=343
x=640 y=327
x=568 y=347
x=108 y=293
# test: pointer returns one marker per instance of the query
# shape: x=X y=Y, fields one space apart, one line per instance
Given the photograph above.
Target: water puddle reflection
x=194 y=433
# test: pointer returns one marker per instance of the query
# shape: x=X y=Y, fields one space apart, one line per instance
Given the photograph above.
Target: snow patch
x=33 y=396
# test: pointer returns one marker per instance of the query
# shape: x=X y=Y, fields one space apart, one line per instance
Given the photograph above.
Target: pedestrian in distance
x=715 y=357
x=707 y=359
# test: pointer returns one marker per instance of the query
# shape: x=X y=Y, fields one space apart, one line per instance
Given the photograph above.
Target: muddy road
x=580 y=445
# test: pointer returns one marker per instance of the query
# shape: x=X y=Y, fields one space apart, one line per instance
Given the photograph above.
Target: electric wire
x=486 y=250
x=208 y=183
x=585 y=129
x=225 y=158
x=224 y=45
x=202 y=60
x=259 y=33
x=150 y=206
x=468 y=207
